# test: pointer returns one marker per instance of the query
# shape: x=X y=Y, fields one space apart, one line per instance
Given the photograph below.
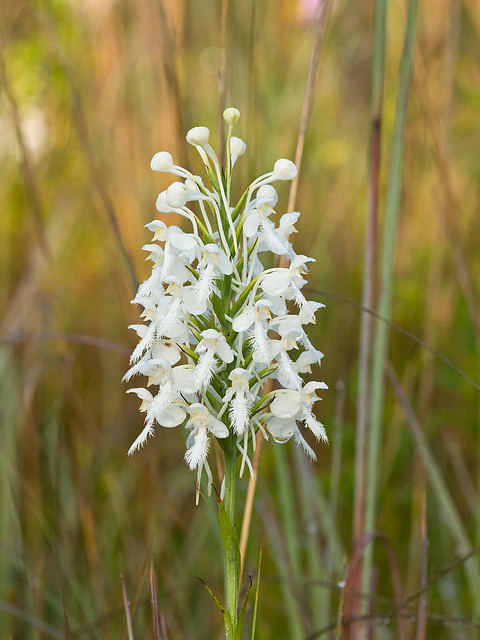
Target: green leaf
x=239 y=206
x=257 y=590
x=226 y=616
x=231 y=556
x=241 y=615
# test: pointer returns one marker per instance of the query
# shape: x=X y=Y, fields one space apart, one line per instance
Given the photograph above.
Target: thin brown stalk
x=247 y=514
x=422 y=601
x=323 y=12
x=366 y=325
x=154 y=600
x=126 y=604
x=169 y=62
x=222 y=80
x=350 y=585
x=368 y=292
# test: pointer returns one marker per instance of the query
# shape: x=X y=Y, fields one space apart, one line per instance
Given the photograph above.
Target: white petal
x=140 y=441
x=315 y=427
x=143 y=394
x=244 y=321
x=287 y=221
x=217 y=427
x=203 y=372
x=285 y=404
x=224 y=264
x=239 y=413
x=250 y=226
x=261 y=344
x=277 y=282
x=183 y=241
x=225 y=353
x=166 y=350
x=183 y=379
x=171 y=417
x=282 y=430
x=198 y=452
x=300 y=440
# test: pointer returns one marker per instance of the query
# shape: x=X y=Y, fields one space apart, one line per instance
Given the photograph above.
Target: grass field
x=389 y=193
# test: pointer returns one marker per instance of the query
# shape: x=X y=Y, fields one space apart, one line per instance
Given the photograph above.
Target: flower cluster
x=218 y=325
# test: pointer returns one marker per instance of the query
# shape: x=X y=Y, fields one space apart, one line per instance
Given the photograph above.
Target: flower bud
x=198 y=136
x=237 y=146
x=284 y=169
x=269 y=194
x=231 y=115
x=161 y=204
x=192 y=186
x=176 y=195
x=162 y=161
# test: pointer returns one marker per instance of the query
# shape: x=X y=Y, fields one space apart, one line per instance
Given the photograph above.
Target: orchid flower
x=218 y=324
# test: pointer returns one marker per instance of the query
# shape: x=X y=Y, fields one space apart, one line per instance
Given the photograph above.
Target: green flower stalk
x=218 y=325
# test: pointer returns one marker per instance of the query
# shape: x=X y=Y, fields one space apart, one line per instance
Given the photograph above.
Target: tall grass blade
x=451 y=516
x=386 y=276
x=369 y=268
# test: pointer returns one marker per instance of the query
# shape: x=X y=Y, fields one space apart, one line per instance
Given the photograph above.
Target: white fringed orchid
x=218 y=324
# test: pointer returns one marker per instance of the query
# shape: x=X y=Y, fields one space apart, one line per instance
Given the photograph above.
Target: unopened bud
x=198 y=136
x=161 y=161
x=231 y=115
x=176 y=195
x=237 y=146
x=284 y=169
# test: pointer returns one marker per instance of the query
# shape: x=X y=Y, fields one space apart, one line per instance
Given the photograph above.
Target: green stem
x=231 y=564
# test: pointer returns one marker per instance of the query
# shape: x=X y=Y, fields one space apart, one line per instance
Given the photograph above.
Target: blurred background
x=89 y=91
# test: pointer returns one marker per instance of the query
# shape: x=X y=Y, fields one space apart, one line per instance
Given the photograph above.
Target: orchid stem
x=231 y=564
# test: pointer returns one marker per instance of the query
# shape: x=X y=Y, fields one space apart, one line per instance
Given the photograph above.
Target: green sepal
x=218 y=309
x=258 y=405
x=189 y=352
x=206 y=237
x=213 y=180
x=239 y=207
x=242 y=297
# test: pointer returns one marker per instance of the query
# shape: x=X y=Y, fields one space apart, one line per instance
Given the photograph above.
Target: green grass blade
x=386 y=275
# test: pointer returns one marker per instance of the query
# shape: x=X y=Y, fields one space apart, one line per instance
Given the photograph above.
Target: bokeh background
x=89 y=91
